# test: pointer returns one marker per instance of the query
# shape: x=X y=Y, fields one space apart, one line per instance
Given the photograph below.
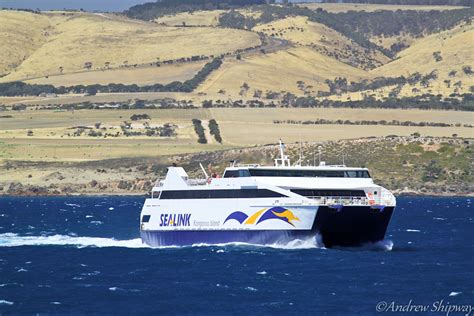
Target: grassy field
x=239 y=128
x=108 y=41
x=344 y=7
x=140 y=76
x=278 y=71
x=196 y=18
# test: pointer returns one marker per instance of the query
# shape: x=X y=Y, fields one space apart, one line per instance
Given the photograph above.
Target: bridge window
x=309 y=173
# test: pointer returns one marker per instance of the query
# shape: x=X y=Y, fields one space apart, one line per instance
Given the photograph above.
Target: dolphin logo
x=279 y=213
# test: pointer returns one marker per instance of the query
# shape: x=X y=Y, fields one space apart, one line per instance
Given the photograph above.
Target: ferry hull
x=352 y=226
x=348 y=226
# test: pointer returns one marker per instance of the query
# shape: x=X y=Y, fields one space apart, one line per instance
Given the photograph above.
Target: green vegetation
x=340 y=84
x=370 y=122
x=199 y=129
x=407 y=2
x=423 y=165
x=152 y=10
x=426 y=102
x=137 y=117
x=214 y=130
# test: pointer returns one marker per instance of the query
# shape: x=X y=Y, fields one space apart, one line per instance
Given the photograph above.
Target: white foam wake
x=309 y=243
x=13 y=240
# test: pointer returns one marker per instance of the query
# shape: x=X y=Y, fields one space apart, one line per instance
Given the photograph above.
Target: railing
x=190 y=182
x=196 y=182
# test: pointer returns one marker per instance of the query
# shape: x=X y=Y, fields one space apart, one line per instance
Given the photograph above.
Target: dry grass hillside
x=196 y=18
x=106 y=41
x=21 y=33
x=200 y=18
x=140 y=76
x=323 y=39
x=297 y=56
x=455 y=50
x=279 y=71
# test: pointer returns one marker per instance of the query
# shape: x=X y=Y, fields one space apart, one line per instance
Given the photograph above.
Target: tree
x=467 y=70
x=91 y=90
x=432 y=171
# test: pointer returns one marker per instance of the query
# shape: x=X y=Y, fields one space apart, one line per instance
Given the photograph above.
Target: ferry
x=334 y=204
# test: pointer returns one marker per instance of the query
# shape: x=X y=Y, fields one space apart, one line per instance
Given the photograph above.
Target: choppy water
x=83 y=255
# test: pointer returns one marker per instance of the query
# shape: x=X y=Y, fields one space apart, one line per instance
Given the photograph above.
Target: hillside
x=24 y=32
x=302 y=32
x=444 y=53
x=278 y=72
x=338 y=52
x=78 y=42
x=195 y=18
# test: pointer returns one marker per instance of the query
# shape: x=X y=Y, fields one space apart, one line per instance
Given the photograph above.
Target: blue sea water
x=83 y=255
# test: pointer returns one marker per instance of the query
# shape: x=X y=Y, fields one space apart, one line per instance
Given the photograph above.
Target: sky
x=88 y=5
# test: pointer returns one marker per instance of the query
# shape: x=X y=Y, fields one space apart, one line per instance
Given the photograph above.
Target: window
x=146 y=218
x=309 y=173
x=244 y=173
x=319 y=192
x=241 y=173
x=231 y=174
x=219 y=194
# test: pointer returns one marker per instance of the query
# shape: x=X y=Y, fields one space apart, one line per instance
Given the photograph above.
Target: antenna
x=319 y=154
x=301 y=153
x=203 y=170
x=283 y=161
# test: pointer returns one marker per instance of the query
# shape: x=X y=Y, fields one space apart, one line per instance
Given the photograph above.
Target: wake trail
x=14 y=240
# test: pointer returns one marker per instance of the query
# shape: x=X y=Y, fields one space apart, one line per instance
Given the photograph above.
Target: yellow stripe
x=252 y=219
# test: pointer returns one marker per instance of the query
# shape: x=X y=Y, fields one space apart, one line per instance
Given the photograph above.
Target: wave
x=13 y=240
x=308 y=243
x=382 y=245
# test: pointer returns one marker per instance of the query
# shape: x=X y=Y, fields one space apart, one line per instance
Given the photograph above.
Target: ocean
x=83 y=255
